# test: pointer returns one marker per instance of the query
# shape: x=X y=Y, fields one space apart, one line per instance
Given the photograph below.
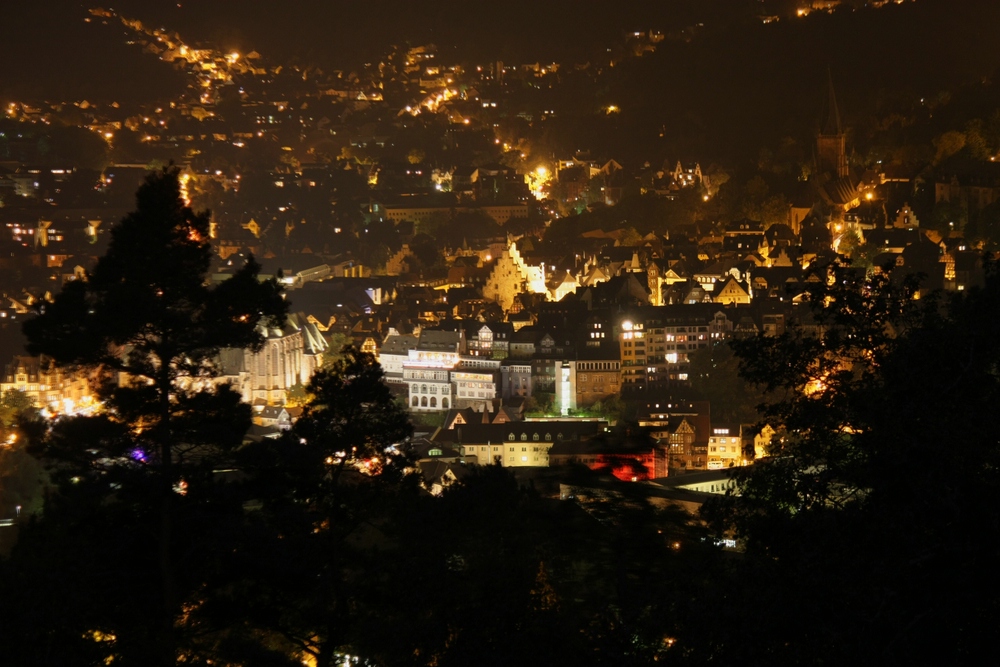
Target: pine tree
x=147 y=321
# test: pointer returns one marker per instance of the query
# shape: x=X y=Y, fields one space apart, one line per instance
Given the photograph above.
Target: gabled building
x=681 y=431
x=511 y=276
x=732 y=292
x=726 y=447
x=47 y=386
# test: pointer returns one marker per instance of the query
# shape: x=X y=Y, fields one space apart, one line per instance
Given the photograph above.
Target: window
x=548 y=436
x=415 y=402
x=511 y=437
x=444 y=403
x=535 y=437
x=524 y=449
x=423 y=401
x=524 y=437
x=434 y=401
x=423 y=389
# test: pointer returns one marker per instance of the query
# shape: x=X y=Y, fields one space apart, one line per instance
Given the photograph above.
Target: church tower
x=831 y=143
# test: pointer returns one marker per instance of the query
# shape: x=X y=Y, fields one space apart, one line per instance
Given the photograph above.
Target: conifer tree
x=149 y=325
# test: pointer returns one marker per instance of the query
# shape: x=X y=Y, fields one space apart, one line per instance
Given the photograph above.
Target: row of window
x=423 y=389
x=422 y=402
x=599 y=379
x=524 y=437
x=597 y=366
x=425 y=375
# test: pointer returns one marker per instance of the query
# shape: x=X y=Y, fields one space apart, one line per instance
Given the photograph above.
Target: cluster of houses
x=513 y=325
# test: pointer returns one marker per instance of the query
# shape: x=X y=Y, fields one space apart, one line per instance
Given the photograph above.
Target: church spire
x=832 y=126
x=831 y=143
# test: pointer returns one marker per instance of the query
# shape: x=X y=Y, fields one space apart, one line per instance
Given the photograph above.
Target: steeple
x=831 y=143
x=832 y=126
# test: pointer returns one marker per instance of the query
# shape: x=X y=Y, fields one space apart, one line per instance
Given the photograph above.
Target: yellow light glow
x=185 y=192
x=538 y=181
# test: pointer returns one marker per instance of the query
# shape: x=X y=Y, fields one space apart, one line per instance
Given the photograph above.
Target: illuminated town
x=521 y=334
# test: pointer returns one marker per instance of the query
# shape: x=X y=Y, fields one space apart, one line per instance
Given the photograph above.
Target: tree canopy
x=863 y=528
x=149 y=328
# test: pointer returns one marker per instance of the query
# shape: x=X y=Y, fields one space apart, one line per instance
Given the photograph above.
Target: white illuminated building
x=394 y=353
x=566 y=394
x=439 y=376
x=427 y=370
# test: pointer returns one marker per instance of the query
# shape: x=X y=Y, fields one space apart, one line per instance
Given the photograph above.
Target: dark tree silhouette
x=863 y=531
x=148 y=323
x=328 y=495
